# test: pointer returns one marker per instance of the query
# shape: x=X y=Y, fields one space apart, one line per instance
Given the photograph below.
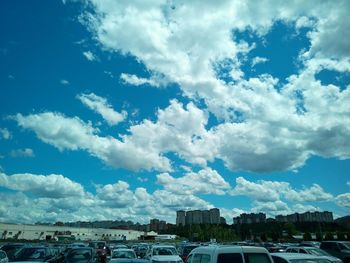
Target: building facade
x=306 y=217
x=191 y=217
x=45 y=232
x=250 y=218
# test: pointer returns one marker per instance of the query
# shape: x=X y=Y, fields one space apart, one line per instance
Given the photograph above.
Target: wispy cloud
x=89 y=56
x=27 y=152
x=258 y=60
x=102 y=107
x=64 y=82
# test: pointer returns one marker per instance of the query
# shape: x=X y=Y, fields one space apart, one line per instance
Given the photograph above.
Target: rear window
x=256 y=258
x=230 y=258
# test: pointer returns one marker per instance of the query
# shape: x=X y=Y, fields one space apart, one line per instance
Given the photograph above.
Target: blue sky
x=135 y=109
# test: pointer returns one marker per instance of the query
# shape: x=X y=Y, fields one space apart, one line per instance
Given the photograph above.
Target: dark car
x=40 y=254
x=339 y=249
x=81 y=255
x=11 y=250
x=184 y=250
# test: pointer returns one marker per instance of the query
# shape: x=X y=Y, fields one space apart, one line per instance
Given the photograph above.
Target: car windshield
x=164 y=251
x=344 y=245
x=317 y=252
x=123 y=254
x=31 y=254
x=79 y=255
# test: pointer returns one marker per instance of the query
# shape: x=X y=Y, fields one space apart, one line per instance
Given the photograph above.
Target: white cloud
x=52 y=186
x=27 y=152
x=5 y=134
x=314 y=193
x=343 y=200
x=64 y=82
x=49 y=198
x=102 y=107
x=206 y=181
x=89 y=56
x=74 y=134
x=137 y=81
x=273 y=191
x=257 y=60
x=286 y=138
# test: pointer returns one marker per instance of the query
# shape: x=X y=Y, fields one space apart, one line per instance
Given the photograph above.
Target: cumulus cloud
x=343 y=200
x=49 y=198
x=206 y=181
x=272 y=191
x=74 y=134
x=89 y=56
x=291 y=128
x=27 y=152
x=5 y=134
x=102 y=107
x=52 y=186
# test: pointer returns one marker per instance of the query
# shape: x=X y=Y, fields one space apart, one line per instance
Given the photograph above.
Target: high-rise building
x=250 y=218
x=211 y=216
x=307 y=217
x=180 y=218
x=214 y=216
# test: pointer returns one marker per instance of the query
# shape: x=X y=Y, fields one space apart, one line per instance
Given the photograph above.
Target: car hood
x=166 y=258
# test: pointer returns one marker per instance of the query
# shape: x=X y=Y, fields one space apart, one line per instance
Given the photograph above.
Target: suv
x=339 y=249
x=229 y=254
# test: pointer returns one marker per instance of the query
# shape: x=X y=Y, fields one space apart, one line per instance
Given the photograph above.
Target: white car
x=162 y=254
x=313 y=251
x=3 y=257
x=123 y=253
x=297 y=258
x=229 y=254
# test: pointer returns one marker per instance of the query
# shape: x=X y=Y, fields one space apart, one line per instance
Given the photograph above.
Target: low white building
x=44 y=232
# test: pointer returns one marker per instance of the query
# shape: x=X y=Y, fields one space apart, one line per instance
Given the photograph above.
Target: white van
x=229 y=254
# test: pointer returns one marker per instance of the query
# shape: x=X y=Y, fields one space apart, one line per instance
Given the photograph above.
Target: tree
x=329 y=236
x=307 y=236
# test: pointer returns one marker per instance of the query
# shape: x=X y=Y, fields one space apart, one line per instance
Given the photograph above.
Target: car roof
x=158 y=246
x=228 y=248
x=294 y=255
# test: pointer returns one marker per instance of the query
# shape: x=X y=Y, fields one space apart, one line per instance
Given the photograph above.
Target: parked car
x=185 y=250
x=339 y=249
x=309 y=244
x=313 y=251
x=163 y=253
x=12 y=249
x=81 y=255
x=35 y=254
x=229 y=254
x=3 y=257
x=123 y=253
x=126 y=260
x=297 y=258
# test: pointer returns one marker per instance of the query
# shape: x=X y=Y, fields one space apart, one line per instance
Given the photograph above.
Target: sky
x=134 y=109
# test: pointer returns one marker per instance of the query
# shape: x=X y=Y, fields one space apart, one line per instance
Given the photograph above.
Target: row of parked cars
x=100 y=252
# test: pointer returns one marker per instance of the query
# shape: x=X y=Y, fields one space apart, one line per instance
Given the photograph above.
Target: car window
x=230 y=258
x=188 y=260
x=344 y=246
x=205 y=258
x=279 y=260
x=196 y=258
x=257 y=258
